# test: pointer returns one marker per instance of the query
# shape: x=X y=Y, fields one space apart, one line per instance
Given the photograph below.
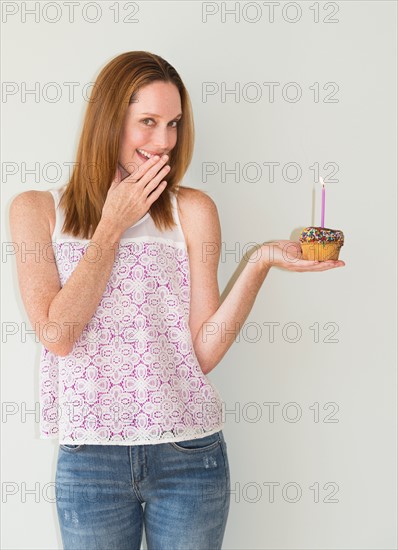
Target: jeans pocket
x=70 y=448
x=197 y=445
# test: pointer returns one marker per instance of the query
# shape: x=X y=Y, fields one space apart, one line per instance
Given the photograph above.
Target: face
x=154 y=133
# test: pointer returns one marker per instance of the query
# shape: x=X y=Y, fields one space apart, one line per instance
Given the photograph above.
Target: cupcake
x=321 y=243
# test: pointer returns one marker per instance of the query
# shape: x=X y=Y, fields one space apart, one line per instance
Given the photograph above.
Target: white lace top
x=132 y=376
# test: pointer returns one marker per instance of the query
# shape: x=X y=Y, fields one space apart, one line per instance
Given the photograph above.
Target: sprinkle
x=321 y=235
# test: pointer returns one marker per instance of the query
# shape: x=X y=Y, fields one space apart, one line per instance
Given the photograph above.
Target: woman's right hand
x=128 y=200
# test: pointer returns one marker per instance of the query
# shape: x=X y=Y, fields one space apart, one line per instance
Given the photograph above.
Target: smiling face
x=154 y=133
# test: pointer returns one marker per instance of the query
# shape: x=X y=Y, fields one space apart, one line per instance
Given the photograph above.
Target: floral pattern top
x=132 y=376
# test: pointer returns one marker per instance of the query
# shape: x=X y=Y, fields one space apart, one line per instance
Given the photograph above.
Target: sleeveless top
x=132 y=376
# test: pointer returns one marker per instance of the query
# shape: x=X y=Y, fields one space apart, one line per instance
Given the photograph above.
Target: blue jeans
x=184 y=487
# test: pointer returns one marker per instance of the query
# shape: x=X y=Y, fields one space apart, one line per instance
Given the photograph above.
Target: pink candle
x=323 y=203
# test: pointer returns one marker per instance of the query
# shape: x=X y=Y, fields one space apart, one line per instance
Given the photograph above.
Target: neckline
x=141 y=220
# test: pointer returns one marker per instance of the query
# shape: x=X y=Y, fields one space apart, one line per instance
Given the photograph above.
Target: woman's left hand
x=287 y=255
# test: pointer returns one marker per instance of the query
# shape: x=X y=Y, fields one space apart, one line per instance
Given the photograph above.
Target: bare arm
x=218 y=332
x=213 y=326
x=75 y=304
x=58 y=315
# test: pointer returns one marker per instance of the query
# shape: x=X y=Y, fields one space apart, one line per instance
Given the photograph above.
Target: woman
x=125 y=305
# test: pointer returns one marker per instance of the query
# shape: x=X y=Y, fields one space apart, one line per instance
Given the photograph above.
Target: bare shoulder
x=33 y=205
x=198 y=214
x=189 y=195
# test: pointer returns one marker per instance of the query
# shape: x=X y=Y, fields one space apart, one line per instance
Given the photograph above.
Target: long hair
x=98 y=152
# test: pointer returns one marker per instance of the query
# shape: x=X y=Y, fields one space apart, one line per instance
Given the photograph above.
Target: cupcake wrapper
x=320 y=251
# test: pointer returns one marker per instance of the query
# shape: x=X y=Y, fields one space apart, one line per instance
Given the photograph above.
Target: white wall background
x=356 y=374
